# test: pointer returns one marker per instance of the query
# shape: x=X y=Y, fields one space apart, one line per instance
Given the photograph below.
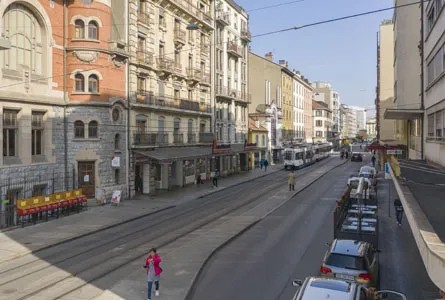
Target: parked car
x=314 y=288
x=357 y=157
x=352 y=260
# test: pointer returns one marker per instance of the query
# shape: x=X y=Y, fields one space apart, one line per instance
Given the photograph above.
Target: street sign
x=394 y=151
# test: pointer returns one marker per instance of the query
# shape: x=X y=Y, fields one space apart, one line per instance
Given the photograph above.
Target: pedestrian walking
x=261 y=164
x=266 y=163
x=291 y=181
x=399 y=210
x=154 y=270
x=373 y=159
x=215 y=178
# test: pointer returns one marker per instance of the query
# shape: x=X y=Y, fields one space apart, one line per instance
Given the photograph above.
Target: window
x=177 y=95
x=79 y=29
x=431 y=125
x=141 y=85
x=439 y=124
x=37 y=133
x=92 y=129
x=93 y=84
x=117 y=141
x=10 y=128
x=39 y=190
x=190 y=95
x=28 y=40
x=319 y=123
x=319 y=133
x=80 y=83
x=318 y=113
x=117 y=174
x=92 y=30
x=79 y=129
x=116 y=114
x=264 y=141
x=430 y=19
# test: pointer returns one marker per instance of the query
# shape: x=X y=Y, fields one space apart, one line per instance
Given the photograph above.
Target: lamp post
x=5 y=44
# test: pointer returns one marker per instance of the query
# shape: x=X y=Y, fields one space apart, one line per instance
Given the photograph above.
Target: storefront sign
x=116 y=162
x=394 y=151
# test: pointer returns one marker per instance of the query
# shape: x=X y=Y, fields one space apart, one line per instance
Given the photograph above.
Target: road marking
x=423 y=170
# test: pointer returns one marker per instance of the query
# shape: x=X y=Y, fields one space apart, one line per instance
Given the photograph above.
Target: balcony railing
x=144 y=57
x=223 y=17
x=194 y=74
x=178 y=68
x=145 y=18
x=222 y=91
x=191 y=9
x=166 y=64
x=180 y=36
x=246 y=35
x=234 y=49
x=148 y=98
x=178 y=138
x=150 y=139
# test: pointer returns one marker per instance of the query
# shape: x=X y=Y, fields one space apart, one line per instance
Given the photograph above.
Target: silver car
x=352 y=260
x=314 y=288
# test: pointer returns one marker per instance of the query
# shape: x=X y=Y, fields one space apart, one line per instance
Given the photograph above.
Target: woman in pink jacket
x=152 y=264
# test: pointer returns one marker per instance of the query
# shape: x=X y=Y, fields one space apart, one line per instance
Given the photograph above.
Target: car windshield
x=346 y=261
x=332 y=285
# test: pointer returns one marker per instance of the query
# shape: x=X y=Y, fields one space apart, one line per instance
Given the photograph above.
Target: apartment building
x=170 y=93
x=266 y=100
x=231 y=40
x=371 y=128
x=62 y=116
x=408 y=110
x=324 y=92
x=288 y=132
x=434 y=83
x=302 y=108
x=322 y=118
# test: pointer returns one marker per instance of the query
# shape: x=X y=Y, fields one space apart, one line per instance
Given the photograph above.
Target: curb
x=217 y=249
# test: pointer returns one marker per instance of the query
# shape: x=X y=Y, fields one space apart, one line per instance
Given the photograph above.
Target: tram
x=300 y=156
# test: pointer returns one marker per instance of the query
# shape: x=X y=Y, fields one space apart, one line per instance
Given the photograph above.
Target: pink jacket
x=156 y=263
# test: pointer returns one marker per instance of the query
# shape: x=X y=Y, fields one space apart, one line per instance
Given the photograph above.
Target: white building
x=324 y=92
x=322 y=118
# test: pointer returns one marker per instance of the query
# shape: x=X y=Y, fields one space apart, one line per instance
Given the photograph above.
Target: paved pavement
x=427 y=183
x=21 y=241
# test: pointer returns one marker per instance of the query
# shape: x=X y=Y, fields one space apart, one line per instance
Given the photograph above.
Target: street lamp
x=5 y=44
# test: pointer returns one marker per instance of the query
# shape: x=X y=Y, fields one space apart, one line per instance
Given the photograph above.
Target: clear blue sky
x=343 y=53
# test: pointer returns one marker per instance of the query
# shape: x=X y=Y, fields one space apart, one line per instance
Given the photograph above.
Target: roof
x=166 y=154
x=319 y=105
x=324 y=288
x=253 y=126
x=348 y=247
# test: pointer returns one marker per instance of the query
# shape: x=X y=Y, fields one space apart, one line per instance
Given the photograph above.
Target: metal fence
x=25 y=185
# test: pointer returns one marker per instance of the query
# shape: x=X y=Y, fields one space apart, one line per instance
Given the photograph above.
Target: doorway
x=86 y=171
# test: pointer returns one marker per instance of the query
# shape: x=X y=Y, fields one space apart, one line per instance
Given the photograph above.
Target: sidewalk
x=22 y=241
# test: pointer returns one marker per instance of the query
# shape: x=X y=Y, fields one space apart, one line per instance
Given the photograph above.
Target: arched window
x=92 y=30
x=93 y=83
x=80 y=83
x=92 y=129
x=117 y=141
x=79 y=129
x=79 y=29
x=28 y=40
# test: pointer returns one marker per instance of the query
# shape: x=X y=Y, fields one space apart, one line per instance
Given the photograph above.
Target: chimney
x=269 y=56
x=283 y=63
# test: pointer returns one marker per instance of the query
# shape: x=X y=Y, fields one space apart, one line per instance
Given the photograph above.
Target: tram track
x=118 y=251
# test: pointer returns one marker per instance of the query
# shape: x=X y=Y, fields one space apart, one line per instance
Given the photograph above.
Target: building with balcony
x=170 y=93
x=63 y=117
x=302 y=108
x=322 y=118
x=231 y=41
x=266 y=104
x=371 y=131
x=257 y=136
x=287 y=130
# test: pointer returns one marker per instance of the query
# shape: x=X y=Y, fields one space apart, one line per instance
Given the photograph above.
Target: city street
x=290 y=244
x=104 y=258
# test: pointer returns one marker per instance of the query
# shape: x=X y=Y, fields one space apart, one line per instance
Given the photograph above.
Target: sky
x=342 y=53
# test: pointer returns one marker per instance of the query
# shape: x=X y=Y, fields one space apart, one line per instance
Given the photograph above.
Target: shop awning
x=167 y=155
x=402 y=114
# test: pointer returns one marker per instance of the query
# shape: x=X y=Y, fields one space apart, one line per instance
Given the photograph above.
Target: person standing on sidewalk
x=266 y=163
x=399 y=210
x=291 y=181
x=154 y=270
x=373 y=159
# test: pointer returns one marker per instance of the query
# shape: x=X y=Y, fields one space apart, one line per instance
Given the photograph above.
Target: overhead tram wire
x=274 y=6
x=258 y=35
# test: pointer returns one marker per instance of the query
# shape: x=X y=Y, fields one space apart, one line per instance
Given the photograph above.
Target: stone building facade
x=59 y=94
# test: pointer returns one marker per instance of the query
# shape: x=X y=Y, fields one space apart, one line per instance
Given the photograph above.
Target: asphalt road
x=290 y=244
x=54 y=272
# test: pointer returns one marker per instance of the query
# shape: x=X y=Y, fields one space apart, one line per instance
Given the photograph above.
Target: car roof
x=356 y=153
x=324 y=288
x=349 y=247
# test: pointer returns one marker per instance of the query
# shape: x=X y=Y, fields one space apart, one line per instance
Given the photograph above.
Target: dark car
x=357 y=157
